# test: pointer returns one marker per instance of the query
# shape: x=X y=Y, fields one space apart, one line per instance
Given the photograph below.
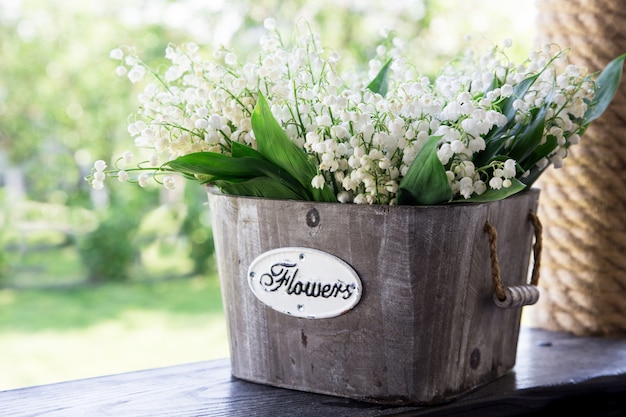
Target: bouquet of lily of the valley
x=288 y=125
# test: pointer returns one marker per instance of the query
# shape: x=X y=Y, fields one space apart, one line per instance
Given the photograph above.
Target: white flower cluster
x=363 y=142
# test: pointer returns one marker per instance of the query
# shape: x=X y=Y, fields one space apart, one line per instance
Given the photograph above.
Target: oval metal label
x=304 y=282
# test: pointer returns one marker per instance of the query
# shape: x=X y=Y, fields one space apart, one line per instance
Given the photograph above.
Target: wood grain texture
x=426 y=329
x=554 y=372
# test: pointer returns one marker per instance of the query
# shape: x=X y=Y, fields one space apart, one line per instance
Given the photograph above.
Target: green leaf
x=526 y=141
x=539 y=153
x=425 y=182
x=494 y=195
x=212 y=167
x=493 y=147
x=274 y=144
x=380 y=83
x=495 y=139
x=213 y=164
x=608 y=82
x=238 y=150
x=258 y=187
x=519 y=92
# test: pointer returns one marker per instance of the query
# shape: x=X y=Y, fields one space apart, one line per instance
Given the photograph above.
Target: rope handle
x=517 y=295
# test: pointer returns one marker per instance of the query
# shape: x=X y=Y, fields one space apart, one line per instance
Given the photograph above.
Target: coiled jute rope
x=583 y=205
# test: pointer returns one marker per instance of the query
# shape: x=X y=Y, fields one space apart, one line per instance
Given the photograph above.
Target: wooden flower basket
x=387 y=304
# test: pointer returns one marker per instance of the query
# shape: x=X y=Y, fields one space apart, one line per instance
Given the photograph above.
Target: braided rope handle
x=517 y=295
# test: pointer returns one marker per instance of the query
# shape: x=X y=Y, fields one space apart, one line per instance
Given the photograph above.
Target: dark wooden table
x=555 y=374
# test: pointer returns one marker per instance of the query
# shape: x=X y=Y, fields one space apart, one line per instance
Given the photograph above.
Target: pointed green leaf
x=258 y=187
x=214 y=167
x=528 y=139
x=519 y=92
x=425 y=182
x=494 y=195
x=274 y=144
x=495 y=139
x=213 y=164
x=237 y=150
x=608 y=82
x=493 y=147
x=540 y=152
x=380 y=83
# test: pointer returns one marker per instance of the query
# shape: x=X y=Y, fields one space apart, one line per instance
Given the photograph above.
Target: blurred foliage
x=60 y=100
x=197 y=230
x=62 y=106
x=5 y=266
x=108 y=252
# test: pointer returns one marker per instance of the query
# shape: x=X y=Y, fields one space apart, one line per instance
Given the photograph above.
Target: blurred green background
x=99 y=282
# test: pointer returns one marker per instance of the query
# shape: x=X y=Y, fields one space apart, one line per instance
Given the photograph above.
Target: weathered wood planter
x=425 y=329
